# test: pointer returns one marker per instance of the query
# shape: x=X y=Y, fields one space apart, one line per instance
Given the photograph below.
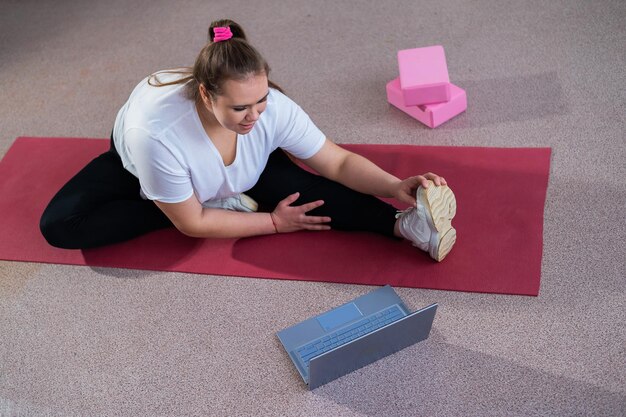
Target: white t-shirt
x=161 y=141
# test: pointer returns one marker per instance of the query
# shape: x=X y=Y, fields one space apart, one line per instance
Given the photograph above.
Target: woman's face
x=241 y=103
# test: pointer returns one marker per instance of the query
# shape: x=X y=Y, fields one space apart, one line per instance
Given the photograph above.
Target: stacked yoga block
x=423 y=89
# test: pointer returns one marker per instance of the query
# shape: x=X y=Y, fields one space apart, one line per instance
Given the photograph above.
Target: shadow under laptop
x=437 y=378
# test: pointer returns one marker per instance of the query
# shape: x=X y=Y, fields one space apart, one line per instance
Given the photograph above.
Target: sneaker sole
x=445 y=244
x=441 y=204
x=248 y=202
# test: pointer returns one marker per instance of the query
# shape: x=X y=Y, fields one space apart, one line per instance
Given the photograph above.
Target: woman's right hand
x=288 y=218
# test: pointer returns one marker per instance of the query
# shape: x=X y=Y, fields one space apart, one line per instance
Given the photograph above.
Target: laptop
x=355 y=334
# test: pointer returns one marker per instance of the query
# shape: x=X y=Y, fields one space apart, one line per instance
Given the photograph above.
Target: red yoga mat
x=500 y=196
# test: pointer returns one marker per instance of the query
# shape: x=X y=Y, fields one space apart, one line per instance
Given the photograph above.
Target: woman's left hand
x=405 y=190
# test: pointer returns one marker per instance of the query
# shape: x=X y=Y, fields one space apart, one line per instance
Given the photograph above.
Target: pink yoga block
x=432 y=115
x=424 y=75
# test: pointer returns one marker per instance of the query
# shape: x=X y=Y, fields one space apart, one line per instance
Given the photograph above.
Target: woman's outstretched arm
x=360 y=174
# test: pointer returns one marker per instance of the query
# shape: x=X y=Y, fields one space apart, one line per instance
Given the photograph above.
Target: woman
x=189 y=142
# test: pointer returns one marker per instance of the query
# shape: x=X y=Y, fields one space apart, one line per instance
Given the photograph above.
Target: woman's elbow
x=190 y=230
x=198 y=229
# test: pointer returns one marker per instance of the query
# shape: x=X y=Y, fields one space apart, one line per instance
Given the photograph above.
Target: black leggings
x=101 y=204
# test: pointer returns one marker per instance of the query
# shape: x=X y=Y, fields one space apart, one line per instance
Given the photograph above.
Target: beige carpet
x=78 y=341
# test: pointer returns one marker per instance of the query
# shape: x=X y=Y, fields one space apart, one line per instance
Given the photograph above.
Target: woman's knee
x=56 y=230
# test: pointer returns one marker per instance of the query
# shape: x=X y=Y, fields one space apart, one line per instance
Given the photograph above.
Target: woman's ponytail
x=226 y=56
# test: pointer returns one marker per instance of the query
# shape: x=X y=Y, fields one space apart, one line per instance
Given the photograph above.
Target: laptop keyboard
x=349 y=333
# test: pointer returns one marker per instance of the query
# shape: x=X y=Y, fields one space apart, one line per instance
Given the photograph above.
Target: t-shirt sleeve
x=161 y=175
x=295 y=131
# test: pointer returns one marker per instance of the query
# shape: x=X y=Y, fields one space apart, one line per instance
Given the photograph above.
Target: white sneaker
x=429 y=225
x=239 y=202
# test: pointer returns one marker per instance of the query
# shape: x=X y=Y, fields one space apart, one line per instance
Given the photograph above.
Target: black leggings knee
x=100 y=205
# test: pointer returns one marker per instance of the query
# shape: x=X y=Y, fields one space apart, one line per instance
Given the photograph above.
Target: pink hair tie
x=222 y=33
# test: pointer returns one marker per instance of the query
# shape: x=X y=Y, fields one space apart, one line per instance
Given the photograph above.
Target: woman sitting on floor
x=188 y=143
